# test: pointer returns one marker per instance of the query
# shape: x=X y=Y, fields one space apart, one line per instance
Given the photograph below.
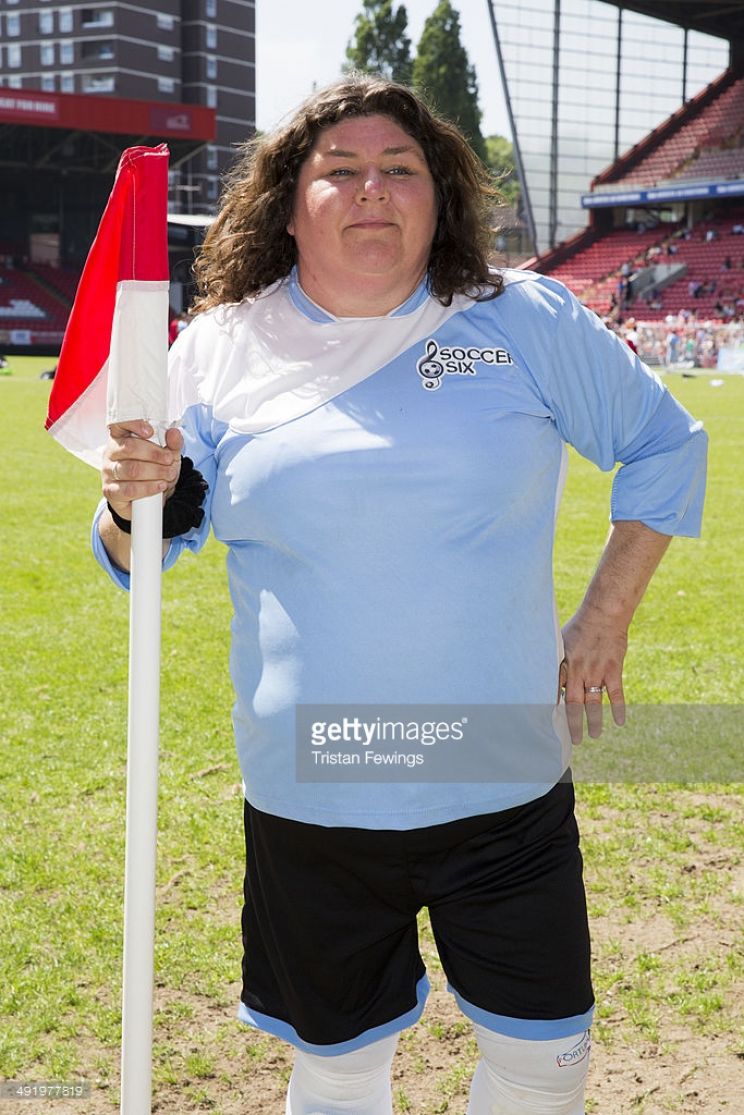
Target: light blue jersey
x=387 y=490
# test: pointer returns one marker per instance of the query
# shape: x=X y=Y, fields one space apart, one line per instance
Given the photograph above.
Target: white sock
x=520 y=1077
x=355 y=1083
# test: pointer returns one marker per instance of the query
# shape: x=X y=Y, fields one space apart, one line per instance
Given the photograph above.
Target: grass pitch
x=62 y=786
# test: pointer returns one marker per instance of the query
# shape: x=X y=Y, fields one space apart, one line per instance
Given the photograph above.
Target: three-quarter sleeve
x=613 y=409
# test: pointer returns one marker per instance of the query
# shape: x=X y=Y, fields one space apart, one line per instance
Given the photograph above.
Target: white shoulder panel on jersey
x=262 y=363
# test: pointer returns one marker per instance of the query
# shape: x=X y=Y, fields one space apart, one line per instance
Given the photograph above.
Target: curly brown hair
x=248 y=246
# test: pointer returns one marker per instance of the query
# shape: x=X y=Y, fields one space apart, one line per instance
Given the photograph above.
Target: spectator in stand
x=630 y=334
x=627 y=295
x=672 y=348
x=708 y=336
x=727 y=264
x=177 y=325
x=738 y=229
x=710 y=236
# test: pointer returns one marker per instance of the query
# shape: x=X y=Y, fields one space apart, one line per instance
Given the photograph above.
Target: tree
x=380 y=44
x=500 y=161
x=445 y=77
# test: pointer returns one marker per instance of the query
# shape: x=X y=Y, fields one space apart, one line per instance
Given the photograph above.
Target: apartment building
x=177 y=51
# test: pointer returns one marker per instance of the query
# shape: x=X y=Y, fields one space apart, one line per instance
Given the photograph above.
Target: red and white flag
x=113 y=363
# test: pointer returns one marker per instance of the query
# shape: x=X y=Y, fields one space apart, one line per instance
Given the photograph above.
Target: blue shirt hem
x=410 y=817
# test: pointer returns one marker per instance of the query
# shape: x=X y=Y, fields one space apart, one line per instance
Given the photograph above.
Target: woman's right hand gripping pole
x=134 y=467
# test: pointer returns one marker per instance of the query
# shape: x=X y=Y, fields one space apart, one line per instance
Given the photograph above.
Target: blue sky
x=300 y=42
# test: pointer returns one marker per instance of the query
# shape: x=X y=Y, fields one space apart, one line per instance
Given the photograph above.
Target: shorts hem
x=530 y=1029
x=284 y=1030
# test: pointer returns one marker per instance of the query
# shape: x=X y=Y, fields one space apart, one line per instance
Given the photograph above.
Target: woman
x=382 y=424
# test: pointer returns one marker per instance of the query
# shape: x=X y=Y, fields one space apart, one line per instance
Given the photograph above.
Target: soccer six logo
x=455 y=360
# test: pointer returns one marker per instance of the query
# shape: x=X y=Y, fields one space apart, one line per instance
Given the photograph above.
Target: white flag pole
x=142 y=807
x=128 y=265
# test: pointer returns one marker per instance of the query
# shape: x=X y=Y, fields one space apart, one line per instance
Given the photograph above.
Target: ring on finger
x=115 y=471
x=594 y=689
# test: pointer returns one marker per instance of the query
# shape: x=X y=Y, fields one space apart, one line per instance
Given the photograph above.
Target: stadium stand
x=713 y=256
x=713 y=282
x=715 y=163
x=61 y=281
x=599 y=266
x=703 y=248
x=714 y=117
x=27 y=303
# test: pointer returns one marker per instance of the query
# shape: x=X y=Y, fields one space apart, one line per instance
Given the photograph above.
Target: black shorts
x=331 y=959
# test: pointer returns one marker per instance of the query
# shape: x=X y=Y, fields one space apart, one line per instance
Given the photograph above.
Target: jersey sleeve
x=613 y=409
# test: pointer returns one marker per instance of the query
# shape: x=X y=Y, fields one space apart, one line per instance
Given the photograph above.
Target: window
x=99 y=83
x=47 y=53
x=14 y=55
x=211 y=68
x=165 y=22
x=166 y=53
x=212 y=189
x=66 y=54
x=46 y=23
x=212 y=158
x=211 y=96
x=97 y=17
x=15 y=81
x=48 y=83
x=100 y=50
x=12 y=24
x=166 y=85
x=210 y=9
x=65 y=19
x=67 y=83
x=211 y=37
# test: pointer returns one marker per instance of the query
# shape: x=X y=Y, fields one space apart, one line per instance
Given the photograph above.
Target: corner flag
x=113 y=368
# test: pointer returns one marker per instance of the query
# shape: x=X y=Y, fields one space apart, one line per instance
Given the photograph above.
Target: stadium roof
x=723 y=18
x=88 y=133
